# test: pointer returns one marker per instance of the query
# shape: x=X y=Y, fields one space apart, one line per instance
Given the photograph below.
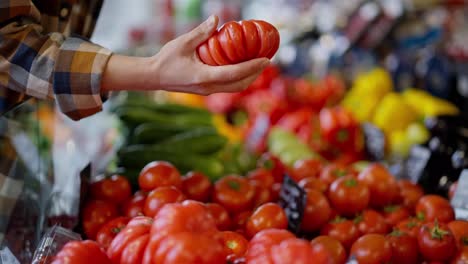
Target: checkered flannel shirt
x=44 y=54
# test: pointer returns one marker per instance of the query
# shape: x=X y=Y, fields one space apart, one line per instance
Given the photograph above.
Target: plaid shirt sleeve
x=68 y=69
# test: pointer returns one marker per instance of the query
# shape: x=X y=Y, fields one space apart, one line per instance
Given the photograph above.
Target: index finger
x=235 y=72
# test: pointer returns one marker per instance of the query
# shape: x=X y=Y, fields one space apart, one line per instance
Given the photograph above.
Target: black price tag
x=293 y=200
x=374 y=140
x=460 y=198
x=417 y=162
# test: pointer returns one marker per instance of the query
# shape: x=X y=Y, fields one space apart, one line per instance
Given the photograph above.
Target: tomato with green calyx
x=273 y=164
x=394 y=214
x=196 y=186
x=235 y=193
x=80 y=252
x=342 y=230
x=115 y=189
x=372 y=249
x=108 y=231
x=158 y=174
x=459 y=230
x=266 y=216
x=382 y=185
x=434 y=207
x=262 y=177
x=410 y=226
x=306 y=168
x=95 y=214
x=159 y=197
x=371 y=222
x=404 y=248
x=436 y=242
x=331 y=172
x=348 y=196
x=235 y=243
x=314 y=184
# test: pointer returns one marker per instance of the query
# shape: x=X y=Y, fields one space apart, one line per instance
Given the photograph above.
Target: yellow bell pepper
x=362 y=107
x=393 y=114
x=377 y=82
x=417 y=133
x=399 y=144
x=233 y=134
x=187 y=99
x=428 y=105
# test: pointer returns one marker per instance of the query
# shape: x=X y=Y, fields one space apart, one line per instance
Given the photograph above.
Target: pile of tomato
x=366 y=215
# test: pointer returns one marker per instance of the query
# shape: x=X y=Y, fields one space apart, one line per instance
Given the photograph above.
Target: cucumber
x=150 y=133
x=198 y=141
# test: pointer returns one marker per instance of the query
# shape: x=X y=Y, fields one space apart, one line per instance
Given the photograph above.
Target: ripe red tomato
x=404 y=248
x=342 y=230
x=108 y=231
x=394 y=214
x=158 y=174
x=79 y=252
x=333 y=171
x=306 y=168
x=134 y=206
x=272 y=163
x=259 y=248
x=316 y=213
x=266 y=216
x=296 y=250
x=410 y=226
x=196 y=186
x=313 y=183
x=459 y=230
x=262 y=177
x=115 y=189
x=410 y=193
x=436 y=242
x=461 y=257
x=371 y=222
x=262 y=195
x=240 y=220
x=129 y=244
x=233 y=192
x=331 y=247
x=348 y=196
x=275 y=191
x=95 y=214
x=340 y=129
x=382 y=185
x=235 y=243
x=159 y=197
x=431 y=207
x=372 y=249
x=220 y=215
x=236 y=42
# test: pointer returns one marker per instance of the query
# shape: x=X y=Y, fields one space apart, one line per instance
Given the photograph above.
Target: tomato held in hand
x=234 y=193
x=80 y=252
x=348 y=196
x=220 y=215
x=235 y=243
x=405 y=248
x=433 y=207
x=436 y=242
x=235 y=42
x=115 y=189
x=331 y=247
x=306 y=168
x=266 y=216
x=410 y=193
x=134 y=206
x=394 y=214
x=159 y=197
x=459 y=230
x=314 y=184
x=382 y=185
x=317 y=211
x=95 y=214
x=372 y=249
x=371 y=222
x=109 y=230
x=342 y=230
x=196 y=186
x=158 y=174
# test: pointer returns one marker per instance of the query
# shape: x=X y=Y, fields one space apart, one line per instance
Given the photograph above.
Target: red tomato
x=314 y=184
x=436 y=242
x=371 y=222
x=115 y=189
x=459 y=230
x=348 y=196
x=382 y=185
x=159 y=197
x=431 y=207
x=79 y=252
x=196 y=186
x=394 y=214
x=452 y=190
x=266 y=216
x=235 y=243
x=342 y=230
x=259 y=248
x=308 y=168
x=158 y=174
x=339 y=128
x=240 y=220
x=220 y=215
x=332 y=172
x=410 y=226
x=410 y=193
x=262 y=177
x=272 y=163
x=235 y=42
x=295 y=250
x=262 y=195
x=95 y=214
x=316 y=213
x=233 y=192
x=372 y=249
x=461 y=257
x=404 y=248
x=108 y=231
x=275 y=191
x=134 y=206
x=331 y=247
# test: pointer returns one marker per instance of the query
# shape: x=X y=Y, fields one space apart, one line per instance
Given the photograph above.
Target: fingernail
x=210 y=21
x=265 y=63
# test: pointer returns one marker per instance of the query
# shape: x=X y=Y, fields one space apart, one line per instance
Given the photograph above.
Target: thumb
x=201 y=33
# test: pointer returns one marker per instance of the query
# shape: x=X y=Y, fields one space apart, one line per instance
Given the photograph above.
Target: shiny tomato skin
x=436 y=242
x=95 y=214
x=317 y=211
x=259 y=248
x=405 y=248
x=269 y=37
x=108 y=231
x=205 y=56
x=382 y=185
x=410 y=226
x=266 y=216
x=348 y=196
x=313 y=183
x=115 y=189
x=80 y=252
x=251 y=39
x=235 y=243
x=332 y=172
x=159 y=197
x=295 y=249
x=220 y=215
x=434 y=207
x=239 y=220
x=372 y=249
x=275 y=191
x=134 y=206
x=459 y=230
x=395 y=214
x=332 y=247
x=134 y=236
x=262 y=176
x=461 y=257
x=216 y=51
x=342 y=230
x=272 y=163
x=196 y=186
x=410 y=194
x=235 y=193
x=306 y=168
x=263 y=195
x=158 y=174
x=227 y=42
x=371 y=222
